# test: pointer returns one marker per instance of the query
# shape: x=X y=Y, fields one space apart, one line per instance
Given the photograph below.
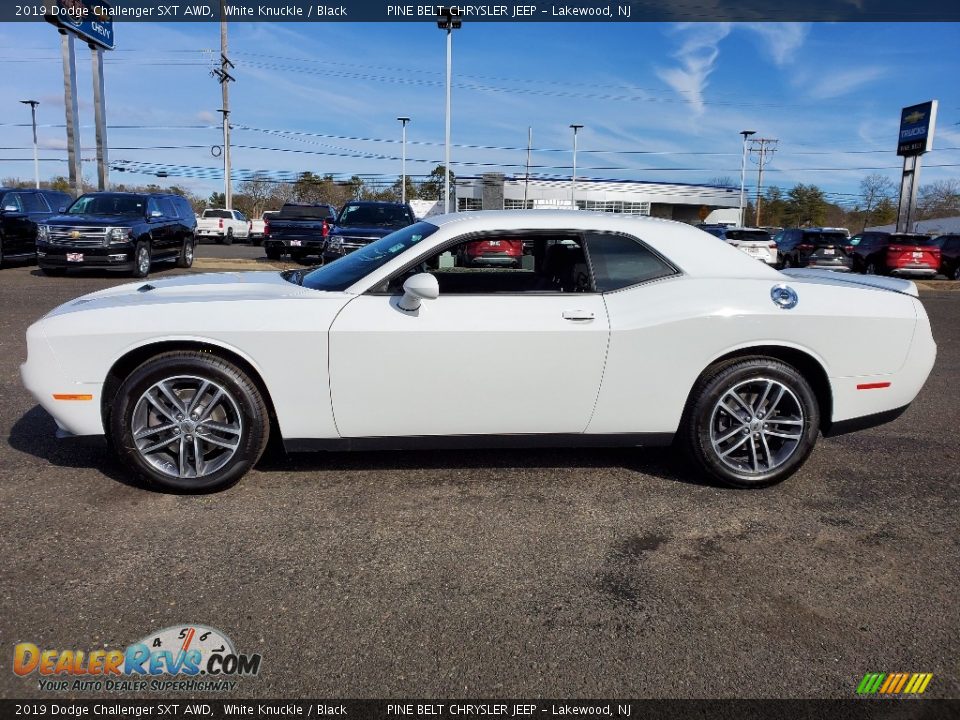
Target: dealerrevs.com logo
x=188 y=658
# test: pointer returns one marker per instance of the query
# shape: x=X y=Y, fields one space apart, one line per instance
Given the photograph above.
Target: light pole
x=450 y=21
x=36 y=161
x=743 y=170
x=403 y=161
x=573 y=177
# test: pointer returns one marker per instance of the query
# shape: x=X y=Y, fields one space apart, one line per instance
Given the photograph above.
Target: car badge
x=784 y=296
x=75 y=234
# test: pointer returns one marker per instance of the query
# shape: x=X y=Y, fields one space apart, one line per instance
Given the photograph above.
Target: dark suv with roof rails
x=21 y=209
x=362 y=222
x=118 y=231
x=815 y=247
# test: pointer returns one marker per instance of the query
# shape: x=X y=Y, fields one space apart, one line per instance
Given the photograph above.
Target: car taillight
x=266 y=227
x=848 y=248
x=772 y=246
x=804 y=246
x=326 y=228
x=221 y=223
x=895 y=248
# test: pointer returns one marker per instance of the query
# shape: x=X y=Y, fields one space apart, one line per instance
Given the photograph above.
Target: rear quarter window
x=619 y=261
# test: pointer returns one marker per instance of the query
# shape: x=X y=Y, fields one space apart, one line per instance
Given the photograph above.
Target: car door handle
x=580 y=315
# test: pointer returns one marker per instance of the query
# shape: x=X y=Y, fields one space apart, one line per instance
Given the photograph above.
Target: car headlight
x=43 y=233
x=118 y=234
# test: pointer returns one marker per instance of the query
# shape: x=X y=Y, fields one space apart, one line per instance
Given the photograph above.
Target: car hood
x=203 y=287
x=92 y=220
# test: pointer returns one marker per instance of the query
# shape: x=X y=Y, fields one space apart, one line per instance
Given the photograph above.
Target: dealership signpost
x=91 y=23
x=917 y=124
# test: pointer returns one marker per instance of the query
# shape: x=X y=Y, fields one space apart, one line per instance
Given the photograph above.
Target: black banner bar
x=504 y=11
x=400 y=709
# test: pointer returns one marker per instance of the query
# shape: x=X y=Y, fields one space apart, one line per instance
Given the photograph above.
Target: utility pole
x=449 y=21
x=526 y=179
x=573 y=176
x=743 y=167
x=68 y=54
x=100 y=118
x=762 y=148
x=36 y=161
x=403 y=162
x=223 y=75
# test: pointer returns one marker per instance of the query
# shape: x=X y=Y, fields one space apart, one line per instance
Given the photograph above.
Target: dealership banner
x=94 y=15
x=479 y=709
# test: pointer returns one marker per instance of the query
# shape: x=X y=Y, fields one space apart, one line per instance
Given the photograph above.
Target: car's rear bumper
x=494 y=259
x=836 y=266
x=914 y=271
x=295 y=244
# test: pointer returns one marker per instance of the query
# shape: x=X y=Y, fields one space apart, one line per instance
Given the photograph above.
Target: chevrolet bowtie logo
x=75 y=234
x=915 y=117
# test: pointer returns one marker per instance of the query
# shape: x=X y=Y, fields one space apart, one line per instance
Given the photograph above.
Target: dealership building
x=673 y=201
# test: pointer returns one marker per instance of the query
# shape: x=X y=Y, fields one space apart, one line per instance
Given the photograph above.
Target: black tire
x=273 y=253
x=1 y=251
x=141 y=260
x=707 y=433
x=241 y=398
x=956 y=272
x=185 y=258
x=787 y=263
x=228 y=238
x=870 y=269
x=53 y=271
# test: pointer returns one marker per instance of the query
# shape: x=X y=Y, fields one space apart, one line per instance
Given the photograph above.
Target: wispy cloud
x=780 y=40
x=842 y=82
x=697 y=59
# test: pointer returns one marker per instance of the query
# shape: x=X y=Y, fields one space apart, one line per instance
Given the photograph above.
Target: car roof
x=375 y=202
x=691 y=249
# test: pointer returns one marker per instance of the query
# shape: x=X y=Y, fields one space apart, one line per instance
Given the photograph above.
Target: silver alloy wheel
x=186 y=426
x=188 y=253
x=143 y=260
x=756 y=426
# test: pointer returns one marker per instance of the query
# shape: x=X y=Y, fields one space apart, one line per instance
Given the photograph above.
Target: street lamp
x=743 y=169
x=573 y=177
x=449 y=21
x=36 y=161
x=403 y=161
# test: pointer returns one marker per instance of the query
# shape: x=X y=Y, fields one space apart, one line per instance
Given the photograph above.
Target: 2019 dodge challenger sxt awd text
x=625 y=331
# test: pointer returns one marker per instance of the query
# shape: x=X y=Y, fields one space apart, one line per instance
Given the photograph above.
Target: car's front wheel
x=141 y=260
x=751 y=422
x=189 y=422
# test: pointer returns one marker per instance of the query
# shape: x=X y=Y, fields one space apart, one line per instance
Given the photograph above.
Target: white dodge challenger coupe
x=614 y=331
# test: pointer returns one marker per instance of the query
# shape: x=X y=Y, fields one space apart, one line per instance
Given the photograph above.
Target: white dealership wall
x=677 y=201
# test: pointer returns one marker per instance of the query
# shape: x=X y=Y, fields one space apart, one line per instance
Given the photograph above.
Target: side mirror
x=155 y=214
x=62 y=209
x=422 y=286
x=11 y=208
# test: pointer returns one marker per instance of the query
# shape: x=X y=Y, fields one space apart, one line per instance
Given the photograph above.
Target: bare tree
x=939 y=199
x=723 y=181
x=258 y=191
x=877 y=192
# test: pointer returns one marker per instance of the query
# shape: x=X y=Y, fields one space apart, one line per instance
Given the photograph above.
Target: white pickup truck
x=223 y=225
x=259 y=229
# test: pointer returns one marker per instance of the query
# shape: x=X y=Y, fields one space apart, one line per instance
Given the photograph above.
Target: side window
x=505 y=263
x=240 y=216
x=152 y=206
x=859 y=240
x=34 y=203
x=12 y=200
x=167 y=208
x=619 y=261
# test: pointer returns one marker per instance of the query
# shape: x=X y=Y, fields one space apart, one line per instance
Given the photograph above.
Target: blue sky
x=674 y=96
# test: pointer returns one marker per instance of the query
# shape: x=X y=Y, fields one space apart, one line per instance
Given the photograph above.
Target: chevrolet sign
x=89 y=20
x=916 y=128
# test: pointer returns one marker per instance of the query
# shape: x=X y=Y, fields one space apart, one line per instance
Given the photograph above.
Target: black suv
x=362 y=222
x=824 y=248
x=949 y=255
x=118 y=231
x=20 y=211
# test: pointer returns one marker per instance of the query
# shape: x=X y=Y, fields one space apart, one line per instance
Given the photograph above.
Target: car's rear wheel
x=750 y=423
x=189 y=422
x=871 y=269
x=273 y=253
x=185 y=258
x=956 y=272
x=787 y=263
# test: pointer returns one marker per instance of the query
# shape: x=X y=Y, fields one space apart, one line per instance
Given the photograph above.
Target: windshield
x=109 y=204
x=753 y=235
x=305 y=212
x=374 y=216
x=342 y=273
x=911 y=240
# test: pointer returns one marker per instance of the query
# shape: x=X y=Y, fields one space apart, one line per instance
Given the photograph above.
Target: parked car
x=299 y=230
x=755 y=242
x=949 y=255
x=118 y=231
x=260 y=228
x=363 y=222
x=491 y=252
x=825 y=248
x=20 y=211
x=224 y=226
x=664 y=334
x=883 y=253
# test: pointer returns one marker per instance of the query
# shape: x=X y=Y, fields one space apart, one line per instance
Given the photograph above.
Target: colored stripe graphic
x=894 y=683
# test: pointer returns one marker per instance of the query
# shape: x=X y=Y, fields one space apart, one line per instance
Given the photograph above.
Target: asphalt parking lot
x=590 y=573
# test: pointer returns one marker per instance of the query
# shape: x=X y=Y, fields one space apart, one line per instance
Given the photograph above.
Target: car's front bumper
x=116 y=257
